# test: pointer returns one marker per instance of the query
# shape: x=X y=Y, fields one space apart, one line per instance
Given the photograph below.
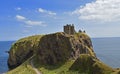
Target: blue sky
x=21 y=18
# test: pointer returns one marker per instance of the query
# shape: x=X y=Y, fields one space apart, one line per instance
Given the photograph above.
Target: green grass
x=88 y=64
x=30 y=41
x=24 y=68
x=82 y=35
x=62 y=68
x=90 y=51
x=31 y=38
x=83 y=65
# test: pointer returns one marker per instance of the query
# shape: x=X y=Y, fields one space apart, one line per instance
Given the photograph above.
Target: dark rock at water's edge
x=7 y=52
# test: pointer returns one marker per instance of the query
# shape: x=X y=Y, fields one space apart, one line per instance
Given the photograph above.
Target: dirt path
x=35 y=69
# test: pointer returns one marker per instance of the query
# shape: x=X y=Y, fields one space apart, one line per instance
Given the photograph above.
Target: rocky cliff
x=22 y=50
x=58 y=49
x=51 y=48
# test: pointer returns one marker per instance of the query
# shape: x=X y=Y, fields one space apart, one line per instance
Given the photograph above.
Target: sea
x=4 y=46
x=106 y=49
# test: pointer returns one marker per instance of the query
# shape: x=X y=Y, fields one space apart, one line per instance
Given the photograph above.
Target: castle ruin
x=69 y=29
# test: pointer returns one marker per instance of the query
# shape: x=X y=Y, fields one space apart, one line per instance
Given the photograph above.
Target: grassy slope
x=32 y=39
x=87 y=64
x=24 y=68
x=56 y=69
x=79 y=68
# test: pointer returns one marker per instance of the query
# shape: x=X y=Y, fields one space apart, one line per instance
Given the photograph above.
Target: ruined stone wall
x=69 y=29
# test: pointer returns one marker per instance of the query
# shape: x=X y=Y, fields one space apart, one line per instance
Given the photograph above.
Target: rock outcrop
x=22 y=50
x=57 y=53
x=59 y=47
x=51 y=48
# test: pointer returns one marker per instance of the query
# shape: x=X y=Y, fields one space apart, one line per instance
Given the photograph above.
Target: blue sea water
x=106 y=49
x=4 y=46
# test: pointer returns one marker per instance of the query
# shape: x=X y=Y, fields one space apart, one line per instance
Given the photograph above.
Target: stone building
x=69 y=29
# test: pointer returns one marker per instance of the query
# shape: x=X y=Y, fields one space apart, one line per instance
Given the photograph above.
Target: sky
x=21 y=18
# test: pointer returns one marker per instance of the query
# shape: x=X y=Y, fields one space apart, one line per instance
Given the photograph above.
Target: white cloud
x=34 y=22
x=19 y=17
x=102 y=10
x=18 y=8
x=29 y=22
x=41 y=10
x=46 y=11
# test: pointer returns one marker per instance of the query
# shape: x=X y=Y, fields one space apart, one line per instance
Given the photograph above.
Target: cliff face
x=22 y=50
x=59 y=47
x=57 y=53
x=51 y=48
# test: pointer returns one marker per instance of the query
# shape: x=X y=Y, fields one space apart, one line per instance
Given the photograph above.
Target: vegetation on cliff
x=22 y=50
x=59 y=47
x=24 y=68
x=84 y=64
x=57 y=53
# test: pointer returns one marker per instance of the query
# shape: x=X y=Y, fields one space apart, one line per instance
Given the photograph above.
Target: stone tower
x=69 y=29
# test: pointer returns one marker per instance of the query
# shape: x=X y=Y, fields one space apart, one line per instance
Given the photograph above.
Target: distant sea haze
x=106 y=49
